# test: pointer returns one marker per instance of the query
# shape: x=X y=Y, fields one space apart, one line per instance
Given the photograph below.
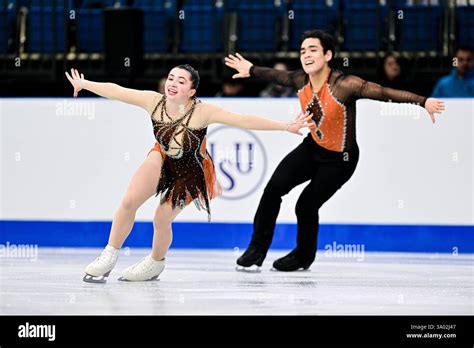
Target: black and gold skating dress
x=188 y=173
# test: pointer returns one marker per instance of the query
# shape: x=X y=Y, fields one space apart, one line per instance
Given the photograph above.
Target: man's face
x=312 y=56
x=464 y=61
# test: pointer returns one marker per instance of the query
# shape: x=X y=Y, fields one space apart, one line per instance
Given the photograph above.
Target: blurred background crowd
x=424 y=46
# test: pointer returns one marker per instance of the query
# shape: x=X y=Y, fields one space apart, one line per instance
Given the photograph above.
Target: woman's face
x=312 y=56
x=178 y=85
x=391 y=68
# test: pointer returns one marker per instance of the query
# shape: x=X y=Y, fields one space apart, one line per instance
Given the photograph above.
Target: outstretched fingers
x=229 y=61
x=69 y=77
x=304 y=116
x=437 y=108
x=74 y=78
x=308 y=118
x=71 y=80
x=440 y=106
x=234 y=58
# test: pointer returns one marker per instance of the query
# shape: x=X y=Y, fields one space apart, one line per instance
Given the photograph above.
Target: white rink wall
x=72 y=159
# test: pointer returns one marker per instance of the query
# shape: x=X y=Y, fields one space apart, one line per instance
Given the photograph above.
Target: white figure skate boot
x=99 y=269
x=145 y=269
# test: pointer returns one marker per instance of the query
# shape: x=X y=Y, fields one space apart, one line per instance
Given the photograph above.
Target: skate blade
x=301 y=269
x=88 y=278
x=251 y=269
x=122 y=279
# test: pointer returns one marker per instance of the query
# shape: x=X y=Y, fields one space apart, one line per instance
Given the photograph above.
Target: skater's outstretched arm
x=245 y=68
x=365 y=89
x=216 y=114
x=144 y=99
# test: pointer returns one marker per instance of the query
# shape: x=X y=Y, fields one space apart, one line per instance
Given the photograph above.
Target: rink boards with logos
x=66 y=164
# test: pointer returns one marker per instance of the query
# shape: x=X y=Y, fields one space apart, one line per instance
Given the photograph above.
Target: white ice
x=205 y=282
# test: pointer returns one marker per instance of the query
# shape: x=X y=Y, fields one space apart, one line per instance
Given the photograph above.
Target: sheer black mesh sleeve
x=296 y=79
x=365 y=89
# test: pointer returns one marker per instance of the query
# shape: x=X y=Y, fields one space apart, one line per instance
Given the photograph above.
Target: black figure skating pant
x=326 y=171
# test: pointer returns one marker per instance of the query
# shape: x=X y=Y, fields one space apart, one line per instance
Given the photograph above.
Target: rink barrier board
x=388 y=238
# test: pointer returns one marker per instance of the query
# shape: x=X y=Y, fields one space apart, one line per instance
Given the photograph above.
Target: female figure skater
x=327 y=157
x=178 y=167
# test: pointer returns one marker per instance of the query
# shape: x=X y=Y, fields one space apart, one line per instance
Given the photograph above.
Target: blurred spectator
x=460 y=83
x=161 y=85
x=231 y=88
x=277 y=91
x=390 y=73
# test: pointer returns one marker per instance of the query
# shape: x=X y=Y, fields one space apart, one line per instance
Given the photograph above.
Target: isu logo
x=240 y=160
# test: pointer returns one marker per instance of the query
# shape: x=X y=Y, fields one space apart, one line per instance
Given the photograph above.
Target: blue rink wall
x=401 y=238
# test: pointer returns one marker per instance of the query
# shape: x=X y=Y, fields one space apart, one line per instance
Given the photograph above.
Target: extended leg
x=326 y=181
x=151 y=266
x=141 y=187
x=293 y=170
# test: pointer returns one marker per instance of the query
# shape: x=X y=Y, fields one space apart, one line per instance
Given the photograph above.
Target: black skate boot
x=253 y=256
x=290 y=263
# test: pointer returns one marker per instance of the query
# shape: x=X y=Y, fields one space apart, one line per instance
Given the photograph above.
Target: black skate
x=253 y=256
x=290 y=263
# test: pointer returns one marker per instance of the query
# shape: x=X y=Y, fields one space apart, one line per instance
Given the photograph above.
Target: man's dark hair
x=194 y=74
x=326 y=39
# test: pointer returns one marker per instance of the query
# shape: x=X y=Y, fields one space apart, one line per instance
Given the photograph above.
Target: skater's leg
x=141 y=187
x=151 y=266
x=325 y=182
x=163 y=235
x=293 y=170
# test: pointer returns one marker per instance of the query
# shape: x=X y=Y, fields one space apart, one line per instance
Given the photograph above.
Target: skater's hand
x=76 y=80
x=240 y=64
x=433 y=106
x=302 y=120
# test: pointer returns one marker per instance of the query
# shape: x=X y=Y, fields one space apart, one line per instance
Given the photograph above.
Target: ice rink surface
x=205 y=282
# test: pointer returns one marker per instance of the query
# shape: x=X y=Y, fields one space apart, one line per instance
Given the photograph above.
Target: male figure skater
x=327 y=157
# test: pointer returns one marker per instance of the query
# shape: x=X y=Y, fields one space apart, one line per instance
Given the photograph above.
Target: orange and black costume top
x=333 y=106
x=187 y=172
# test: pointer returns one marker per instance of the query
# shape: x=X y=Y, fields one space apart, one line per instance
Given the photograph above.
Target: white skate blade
x=251 y=269
x=88 y=278
x=122 y=279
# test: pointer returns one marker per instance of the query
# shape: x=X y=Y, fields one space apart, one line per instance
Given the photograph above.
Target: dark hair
x=463 y=48
x=388 y=55
x=326 y=39
x=194 y=74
